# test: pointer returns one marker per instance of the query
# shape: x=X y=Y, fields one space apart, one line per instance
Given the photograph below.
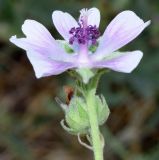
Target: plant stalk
x=95 y=132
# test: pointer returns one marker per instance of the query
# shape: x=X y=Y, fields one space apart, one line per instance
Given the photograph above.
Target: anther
x=83 y=35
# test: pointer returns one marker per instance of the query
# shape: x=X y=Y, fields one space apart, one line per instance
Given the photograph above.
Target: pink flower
x=49 y=57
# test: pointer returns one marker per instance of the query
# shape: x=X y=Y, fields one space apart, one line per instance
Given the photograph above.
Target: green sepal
x=93 y=48
x=102 y=109
x=114 y=55
x=76 y=116
x=66 y=46
x=86 y=74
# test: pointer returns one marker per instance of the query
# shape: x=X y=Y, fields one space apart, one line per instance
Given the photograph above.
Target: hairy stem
x=95 y=133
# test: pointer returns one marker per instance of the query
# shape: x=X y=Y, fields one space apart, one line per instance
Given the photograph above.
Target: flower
x=49 y=57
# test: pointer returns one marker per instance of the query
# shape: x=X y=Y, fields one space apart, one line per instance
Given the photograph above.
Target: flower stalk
x=94 y=127
x=89 y=92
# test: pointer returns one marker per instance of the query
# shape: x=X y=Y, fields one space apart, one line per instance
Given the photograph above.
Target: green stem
x=95 y=133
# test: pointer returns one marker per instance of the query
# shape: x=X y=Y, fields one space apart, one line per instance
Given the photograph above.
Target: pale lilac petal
x=93 y=17
x=43 y=51
x=38 y=39
x=36 y=32
x=63 y=23
x=125 y=62
x=45 y=67
x=124 y=28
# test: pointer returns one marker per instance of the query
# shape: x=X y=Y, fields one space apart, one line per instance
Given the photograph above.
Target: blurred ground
x=29 y=116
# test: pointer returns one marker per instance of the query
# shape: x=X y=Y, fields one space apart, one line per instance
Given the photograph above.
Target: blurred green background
x=29 y=116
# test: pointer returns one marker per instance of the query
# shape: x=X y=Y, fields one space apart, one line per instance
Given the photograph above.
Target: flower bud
x=101 y=109
x=76 y=114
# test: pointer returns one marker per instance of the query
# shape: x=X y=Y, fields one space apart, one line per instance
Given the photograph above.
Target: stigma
x=84 y=33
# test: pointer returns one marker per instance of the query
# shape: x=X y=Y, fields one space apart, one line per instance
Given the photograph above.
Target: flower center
x=84 y=34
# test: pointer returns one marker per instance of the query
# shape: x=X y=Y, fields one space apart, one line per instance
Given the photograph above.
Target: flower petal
x=121 y=61
x=63 y=23
x=93 y=17
x=38 y=39
x=45 y=67
x=125 y=27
